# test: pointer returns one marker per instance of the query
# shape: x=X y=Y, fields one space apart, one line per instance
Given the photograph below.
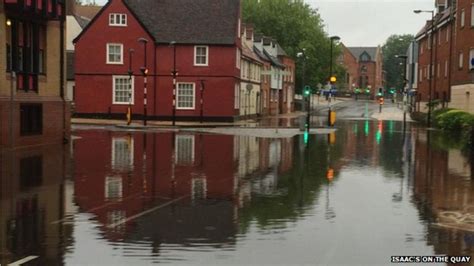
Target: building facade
x=32 y=84
x=363 y=68
x=250 y=74
x=191 y=54
x=446 y=43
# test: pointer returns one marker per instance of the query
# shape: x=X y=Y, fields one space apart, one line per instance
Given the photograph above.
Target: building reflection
x=194 y=184
x=32 y=197
x=444 y=194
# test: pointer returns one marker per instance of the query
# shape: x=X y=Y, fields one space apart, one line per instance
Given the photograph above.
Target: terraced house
x=33 y=108
x=191 y=51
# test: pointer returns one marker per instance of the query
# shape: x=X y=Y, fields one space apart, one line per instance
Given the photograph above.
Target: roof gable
x=358 y=51
x=188 y=21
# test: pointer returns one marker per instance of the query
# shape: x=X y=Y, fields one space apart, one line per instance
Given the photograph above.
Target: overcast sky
x=369 y=22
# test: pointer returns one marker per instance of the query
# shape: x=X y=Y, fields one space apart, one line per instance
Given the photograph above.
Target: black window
x=31 y=119
x=31 y=172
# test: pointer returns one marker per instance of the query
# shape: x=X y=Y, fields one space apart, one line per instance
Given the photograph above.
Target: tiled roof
x=273 y=59
x=357 y=51
x=249 y=53
x=439 y=18
x=188 y=21
x=87 y=12
x=82 y=21
x=261 y=55
x=280 y=51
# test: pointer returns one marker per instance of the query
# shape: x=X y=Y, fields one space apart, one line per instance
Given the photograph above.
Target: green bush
x=455 y=121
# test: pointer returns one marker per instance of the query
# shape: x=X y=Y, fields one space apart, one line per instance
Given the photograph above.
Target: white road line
x=69 y=217
x=145 y=212
x=24 y=260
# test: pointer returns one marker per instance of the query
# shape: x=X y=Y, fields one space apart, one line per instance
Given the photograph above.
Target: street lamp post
x=174 y=73
x=130 y=73
x=305 y=102
x=144 y=71
x=202 y=100
x=330 y=78
x=430 y=76
x=404 y=57
x=12 y=82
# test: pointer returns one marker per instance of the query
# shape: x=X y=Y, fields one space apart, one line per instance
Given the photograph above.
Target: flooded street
x=358 y=196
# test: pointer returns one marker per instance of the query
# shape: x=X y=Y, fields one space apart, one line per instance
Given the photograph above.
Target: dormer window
x=364 y=57
x=119 y=20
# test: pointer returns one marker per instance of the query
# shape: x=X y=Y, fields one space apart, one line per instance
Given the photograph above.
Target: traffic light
x=392 y=91
x=380 y=93
x=330 y=174
x=333 y=79
x=367 y=91
x=307 y=90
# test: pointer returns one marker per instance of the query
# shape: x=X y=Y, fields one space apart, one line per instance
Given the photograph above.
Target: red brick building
x=363 y=68
x=200 y=41
x=451 y=57
x=32 y=81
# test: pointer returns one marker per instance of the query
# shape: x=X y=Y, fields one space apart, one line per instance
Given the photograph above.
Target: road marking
x=68 y=217
x=133 y=217
x=24 y=260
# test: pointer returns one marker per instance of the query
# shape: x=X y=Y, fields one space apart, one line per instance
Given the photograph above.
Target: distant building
x=77 y=18
x=269 y=48
x=250 y=75
x=363 y=68
x=32 y=87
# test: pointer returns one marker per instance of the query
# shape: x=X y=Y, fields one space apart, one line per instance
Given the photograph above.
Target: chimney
x=70 y=7
x=249 y=31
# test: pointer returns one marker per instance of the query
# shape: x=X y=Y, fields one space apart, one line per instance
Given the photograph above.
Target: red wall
x=94 y=76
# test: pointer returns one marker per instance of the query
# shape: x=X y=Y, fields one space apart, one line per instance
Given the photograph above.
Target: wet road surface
x=356 y=196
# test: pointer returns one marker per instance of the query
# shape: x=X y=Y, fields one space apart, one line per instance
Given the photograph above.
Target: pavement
x=282 y=125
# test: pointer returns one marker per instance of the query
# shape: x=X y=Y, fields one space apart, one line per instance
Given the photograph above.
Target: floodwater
x=356 y=197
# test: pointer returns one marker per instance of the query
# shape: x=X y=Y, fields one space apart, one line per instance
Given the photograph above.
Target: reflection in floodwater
x=357 y=196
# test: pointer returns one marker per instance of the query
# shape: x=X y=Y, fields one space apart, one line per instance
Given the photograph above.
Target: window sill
x=114 y=63
x=201 y=65
x=185 y=109
x=34 y=134
x=122 y=103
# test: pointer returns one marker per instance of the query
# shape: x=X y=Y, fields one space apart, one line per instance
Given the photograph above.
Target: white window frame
x=238 y=55
x=108 y=51
x=115 y=180
x=237 y=96
x=201 y=183
x=461 y=60
x=472 y=15
x=195 y=55
x=239 y=25
x=114 y=78
x=463 y=18
x=178 y=159
x=177 y=96
x=113 y=19
x=471 y=57
x=129 y=140
x=446 y=68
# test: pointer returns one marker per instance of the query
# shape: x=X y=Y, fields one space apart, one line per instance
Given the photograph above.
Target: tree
x=297 y=27
x=393 y=66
